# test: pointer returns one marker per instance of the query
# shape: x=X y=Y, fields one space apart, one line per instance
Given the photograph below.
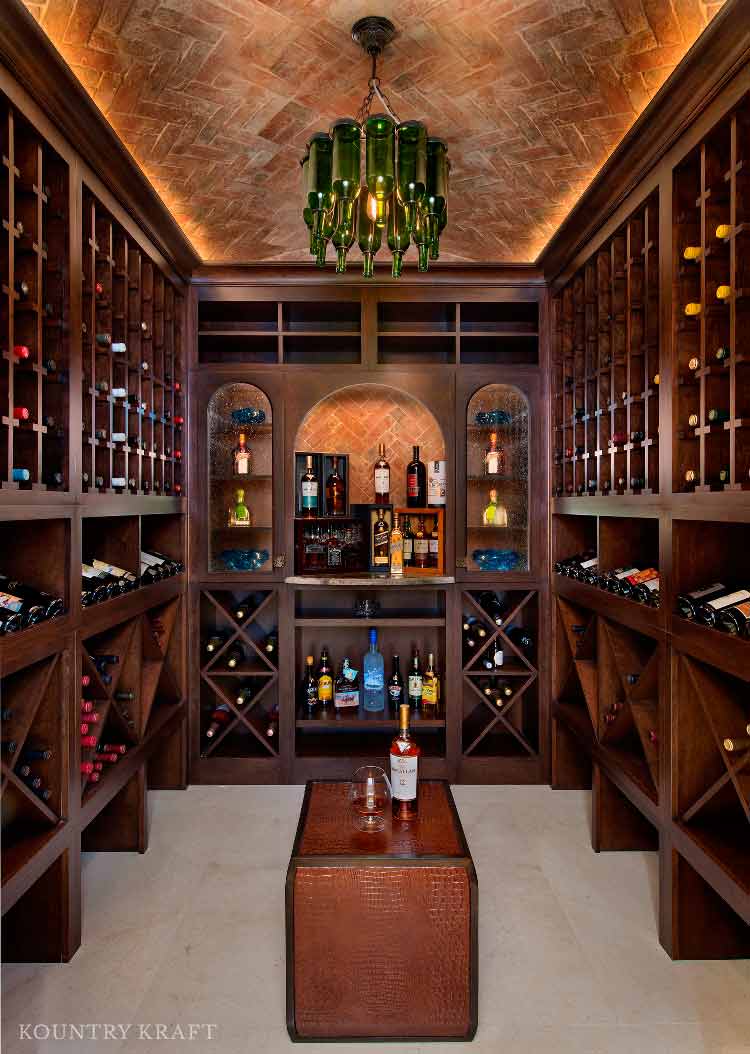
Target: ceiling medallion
x=405 y=186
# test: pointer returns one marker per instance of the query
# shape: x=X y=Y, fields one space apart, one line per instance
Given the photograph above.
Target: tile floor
x=192 y=932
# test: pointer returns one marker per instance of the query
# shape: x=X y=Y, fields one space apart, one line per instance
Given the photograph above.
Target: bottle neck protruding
x=309 y=463
x=415 y=453
x=403 y=720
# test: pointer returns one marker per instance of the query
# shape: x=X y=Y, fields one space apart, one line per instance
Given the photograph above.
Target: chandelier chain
x=364 y=111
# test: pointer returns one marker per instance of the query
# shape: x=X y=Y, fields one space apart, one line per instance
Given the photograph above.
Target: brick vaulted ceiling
x=216 y=99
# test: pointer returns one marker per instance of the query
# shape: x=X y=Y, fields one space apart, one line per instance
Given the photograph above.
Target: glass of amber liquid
x=370 y=797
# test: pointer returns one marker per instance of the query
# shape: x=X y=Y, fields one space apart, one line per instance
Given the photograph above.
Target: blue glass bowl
x=492 y=418
x=244 y=559
x=248 y=415
x=496 y=559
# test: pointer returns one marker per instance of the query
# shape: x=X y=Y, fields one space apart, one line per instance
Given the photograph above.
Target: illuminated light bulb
x=372 y=208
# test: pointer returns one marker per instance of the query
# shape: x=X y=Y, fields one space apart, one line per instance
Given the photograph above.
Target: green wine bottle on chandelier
x=437 y=191
x=370 y=235
x=412 y=168
x=307 y=215
x=319 y=188
x=379 y=162
x=345 y=170
x=398 y=234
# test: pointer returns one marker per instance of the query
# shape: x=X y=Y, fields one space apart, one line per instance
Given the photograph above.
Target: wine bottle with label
x=709 y=611
x=414 y=683
x=309 y=489
x=404 y=759
x=382 y=477
x=416 y=482
x=689 y=604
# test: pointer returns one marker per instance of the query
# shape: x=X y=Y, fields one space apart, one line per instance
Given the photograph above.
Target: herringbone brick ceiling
x=216 y=99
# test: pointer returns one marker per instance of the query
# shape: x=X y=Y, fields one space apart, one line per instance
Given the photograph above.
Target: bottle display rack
x=501 y=716
x=240 y=714
x=34 y=318
x=605 y=366
x=133 y=409
x=711 y=309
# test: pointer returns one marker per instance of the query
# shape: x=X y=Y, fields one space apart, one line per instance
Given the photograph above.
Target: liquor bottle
x=214 y=642
x=239 y=514
x=735 y=620
x=421 y=545
x=382 y=477
x=346 y=689
x=380 y=544
x=689 y=604
x=245 y=695
x=405 y=770
x=492 y=604
x=334 y=549
x=396 y=685
x=373 y=672
x=235 y=656
x=335 y=491
x=434 y=545
x=494 y=458
x=408 y=543
x=241 y=457
x=637 y=436
x=709 y=611
x=396 y=548
x=309 y=491
x=494 y=515
x=414 y=683
x=325 y=680
x=430 y=684
x=309 y=688
x=220 y=717
x=416 y=482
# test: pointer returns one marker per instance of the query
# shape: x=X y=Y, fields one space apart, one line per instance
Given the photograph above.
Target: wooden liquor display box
x=433 y=517
x=365 y=907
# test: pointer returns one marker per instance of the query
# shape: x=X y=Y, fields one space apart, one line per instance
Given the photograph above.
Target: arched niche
x=355 y=419
x=492 y=540
x=233 y=409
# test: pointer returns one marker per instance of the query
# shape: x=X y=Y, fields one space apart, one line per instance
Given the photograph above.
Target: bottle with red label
x=416 y=482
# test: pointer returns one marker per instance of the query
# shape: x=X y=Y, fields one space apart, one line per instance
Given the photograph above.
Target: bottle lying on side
x=709 y=612
x=33 y=605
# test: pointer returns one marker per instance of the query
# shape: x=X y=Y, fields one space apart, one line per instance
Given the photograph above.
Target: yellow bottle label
x=430 y=690
x=325 y=688
x=692 y=309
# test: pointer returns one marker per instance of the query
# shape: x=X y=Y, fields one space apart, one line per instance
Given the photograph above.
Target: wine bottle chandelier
x=405 y=185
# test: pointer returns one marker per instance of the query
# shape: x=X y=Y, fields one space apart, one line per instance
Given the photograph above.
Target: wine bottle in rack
x=735 y=620
x=10 y=621
x=21 y=352
x=690 y=603
x=30 y=753
x=96 y=586
x=235 y=657
x=709 y=611
x=271 y=645
x=493 y=606
x=246 y=694
x=737 y=743
x=31 y=599
x=220 y=717
x=20 y=475
x=128 y=581
x=215 y=642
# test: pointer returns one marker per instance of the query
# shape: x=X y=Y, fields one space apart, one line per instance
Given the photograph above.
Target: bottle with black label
x=380 y=544
x=396 y=685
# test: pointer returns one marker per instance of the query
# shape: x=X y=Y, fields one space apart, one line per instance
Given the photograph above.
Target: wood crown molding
x=34 y=61
x=280 y=274
x=717 y=55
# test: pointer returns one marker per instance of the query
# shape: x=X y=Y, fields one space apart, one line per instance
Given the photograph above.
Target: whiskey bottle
x=434 y=545
x=414 y=683
x=408 y=543
x=416 y=482
x=405 y=770
x=309 y=491
x=335 y=491
x=430 y=684
x=382 y=478
x=396 y=548
x=380 y=544
x=325 y=680
x=421 y=545
x=309 y=687
x=241 y=457
x=494 y=458
x=396 y=685
x=334 y=550
x=689 y=604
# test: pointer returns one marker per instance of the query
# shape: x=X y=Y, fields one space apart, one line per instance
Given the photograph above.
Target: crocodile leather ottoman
x=381 y=929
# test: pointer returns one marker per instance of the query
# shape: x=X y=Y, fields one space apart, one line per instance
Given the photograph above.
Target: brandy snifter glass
x=370 y=797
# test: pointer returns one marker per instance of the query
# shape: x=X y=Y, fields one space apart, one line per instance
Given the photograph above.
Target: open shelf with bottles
x=34 y=579
x=711 y=309
x=133 y=412
x=34 y=306
x=605 y=366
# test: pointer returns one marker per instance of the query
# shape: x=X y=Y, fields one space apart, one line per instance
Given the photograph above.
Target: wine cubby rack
x=34 y=788
x=34 y=309
x=711 y=309
x=244 y=620
x=138 y=686
x=504 y=721
x=133 y=411
x=605 y=366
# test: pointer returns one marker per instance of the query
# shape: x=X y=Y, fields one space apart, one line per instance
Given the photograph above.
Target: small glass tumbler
x=370 y=797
